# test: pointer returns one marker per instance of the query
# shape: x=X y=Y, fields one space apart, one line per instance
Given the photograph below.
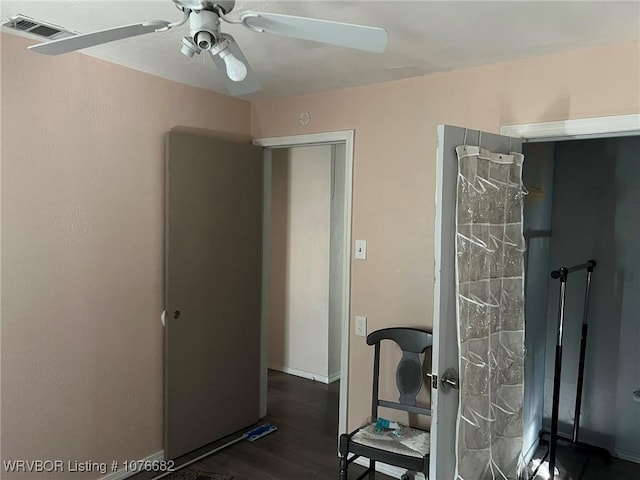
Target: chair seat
x=413 y=442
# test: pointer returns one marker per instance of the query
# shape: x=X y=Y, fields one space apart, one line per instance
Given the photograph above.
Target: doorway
x=341 y=144
x=306 y=258
x=583 y=202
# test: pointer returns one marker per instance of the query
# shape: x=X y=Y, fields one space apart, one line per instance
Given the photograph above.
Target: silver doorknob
x=449 y=380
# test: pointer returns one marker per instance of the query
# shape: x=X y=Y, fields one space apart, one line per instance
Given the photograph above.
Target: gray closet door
x=213 y=245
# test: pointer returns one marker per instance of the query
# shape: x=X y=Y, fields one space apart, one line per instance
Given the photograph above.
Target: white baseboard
x=628 y=455
x=122 y=473
x=311 y=376
x=392 y=471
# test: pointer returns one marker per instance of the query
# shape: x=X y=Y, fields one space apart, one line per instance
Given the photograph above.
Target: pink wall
x=82 y=156
x=394 y=164
x=82 y=251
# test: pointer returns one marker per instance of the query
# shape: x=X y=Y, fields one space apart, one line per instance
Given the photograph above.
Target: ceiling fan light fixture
x=205 y=29
x=189 y=49
x=236 y=70
x=204 y=40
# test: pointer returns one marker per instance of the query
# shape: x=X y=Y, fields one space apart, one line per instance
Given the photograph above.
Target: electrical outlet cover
x=361 y=326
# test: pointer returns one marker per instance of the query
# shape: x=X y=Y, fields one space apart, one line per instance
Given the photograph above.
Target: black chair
x=409 y=450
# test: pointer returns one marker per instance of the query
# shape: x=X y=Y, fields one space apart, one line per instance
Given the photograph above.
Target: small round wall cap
x=305 y=118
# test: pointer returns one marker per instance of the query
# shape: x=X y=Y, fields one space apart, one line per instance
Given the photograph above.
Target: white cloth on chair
x=413 y=442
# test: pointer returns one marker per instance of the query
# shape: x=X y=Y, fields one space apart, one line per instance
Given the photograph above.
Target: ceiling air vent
x=36 y=27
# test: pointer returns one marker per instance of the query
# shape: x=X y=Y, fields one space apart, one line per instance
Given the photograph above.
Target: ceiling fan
x=205 y=35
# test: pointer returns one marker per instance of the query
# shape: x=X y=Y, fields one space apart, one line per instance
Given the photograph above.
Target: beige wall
x=394 y=164
x=299 y=284
x=82 y=251
x=82 y=153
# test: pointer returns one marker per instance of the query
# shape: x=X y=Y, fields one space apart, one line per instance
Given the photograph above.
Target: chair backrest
x=409 y=376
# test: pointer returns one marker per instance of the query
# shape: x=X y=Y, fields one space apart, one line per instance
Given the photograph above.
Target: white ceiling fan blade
x=371 y=39
x=250 y=84
x=78 y=42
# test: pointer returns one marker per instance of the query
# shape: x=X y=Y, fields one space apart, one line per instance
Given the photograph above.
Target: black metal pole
x=583 y=351
x=554 y=416
x=563 y=272
x=576 y=415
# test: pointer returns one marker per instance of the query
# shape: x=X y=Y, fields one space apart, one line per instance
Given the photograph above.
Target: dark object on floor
x=411 y=448
x=189 y=474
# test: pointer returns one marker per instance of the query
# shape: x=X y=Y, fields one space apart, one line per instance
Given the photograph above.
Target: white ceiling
x=424 y=37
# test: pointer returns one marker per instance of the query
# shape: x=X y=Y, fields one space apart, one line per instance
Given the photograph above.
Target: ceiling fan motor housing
x=205 y=28
x=197 y=5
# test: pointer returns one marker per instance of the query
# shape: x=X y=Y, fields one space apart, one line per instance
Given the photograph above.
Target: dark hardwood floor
x=305 y=445
x=576 y=464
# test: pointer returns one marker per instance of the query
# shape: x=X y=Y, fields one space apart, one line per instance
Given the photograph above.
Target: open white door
x=445 y=400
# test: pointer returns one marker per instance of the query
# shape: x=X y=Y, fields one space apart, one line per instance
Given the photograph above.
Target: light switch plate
x=361 y=326
x=361 y=249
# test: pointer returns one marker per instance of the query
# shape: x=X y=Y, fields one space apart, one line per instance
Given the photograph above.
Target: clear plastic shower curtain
x=490 y=313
